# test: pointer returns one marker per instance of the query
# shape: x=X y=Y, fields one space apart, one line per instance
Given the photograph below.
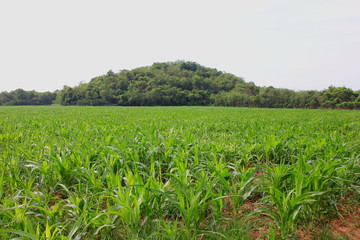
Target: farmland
x=176 y=172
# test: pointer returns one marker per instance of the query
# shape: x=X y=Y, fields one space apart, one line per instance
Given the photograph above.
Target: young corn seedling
x=191 y=198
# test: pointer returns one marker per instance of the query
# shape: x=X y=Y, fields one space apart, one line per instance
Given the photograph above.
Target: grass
x=174 y=172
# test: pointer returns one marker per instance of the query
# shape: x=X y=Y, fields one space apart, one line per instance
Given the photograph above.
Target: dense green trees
x=22 y=97
x=183 y=83
x=178 y=83
x=188 y=83
x=340 y=97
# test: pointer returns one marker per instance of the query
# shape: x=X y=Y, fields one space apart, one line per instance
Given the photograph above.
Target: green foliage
x=188 y=83
x=166 y=84
x=182 y=83
x=172 y=172
x=22 y=97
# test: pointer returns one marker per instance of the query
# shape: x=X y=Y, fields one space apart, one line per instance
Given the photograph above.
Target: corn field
x=175 y=172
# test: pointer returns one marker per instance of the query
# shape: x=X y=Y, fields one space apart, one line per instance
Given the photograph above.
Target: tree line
x=183 y=84
x=22 y=97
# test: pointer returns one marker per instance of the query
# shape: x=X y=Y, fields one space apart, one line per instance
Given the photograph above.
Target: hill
x=173 y=83
x=183 y=83
x=189 y=83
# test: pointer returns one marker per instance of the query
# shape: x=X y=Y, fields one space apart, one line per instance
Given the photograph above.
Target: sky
x=299 y=45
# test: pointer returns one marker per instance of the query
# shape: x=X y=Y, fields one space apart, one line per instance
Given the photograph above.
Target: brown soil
x=349 y=223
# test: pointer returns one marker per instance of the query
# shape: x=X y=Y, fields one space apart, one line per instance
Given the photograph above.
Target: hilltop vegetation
x=185 y=84
x=178 y=83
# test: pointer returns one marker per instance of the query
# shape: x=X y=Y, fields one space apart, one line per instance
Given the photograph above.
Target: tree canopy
x=183 y=83
x=22 y=97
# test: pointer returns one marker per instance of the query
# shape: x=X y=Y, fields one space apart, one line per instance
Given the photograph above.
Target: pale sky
x=294 y=44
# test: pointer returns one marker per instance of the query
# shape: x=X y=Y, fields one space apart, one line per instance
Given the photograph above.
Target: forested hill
x=188 y=83
x=179 y=84
x=167 y=84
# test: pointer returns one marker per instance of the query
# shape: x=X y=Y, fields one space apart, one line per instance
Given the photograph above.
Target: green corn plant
x=270 y=147
x=2 y=185
x=191 y=199
x=128 y=200
x=48 y=233
x=278 y=175
x=244 y=184
x=288 y=208
x=237 y=184
x=247 y=155
x=288 y=191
